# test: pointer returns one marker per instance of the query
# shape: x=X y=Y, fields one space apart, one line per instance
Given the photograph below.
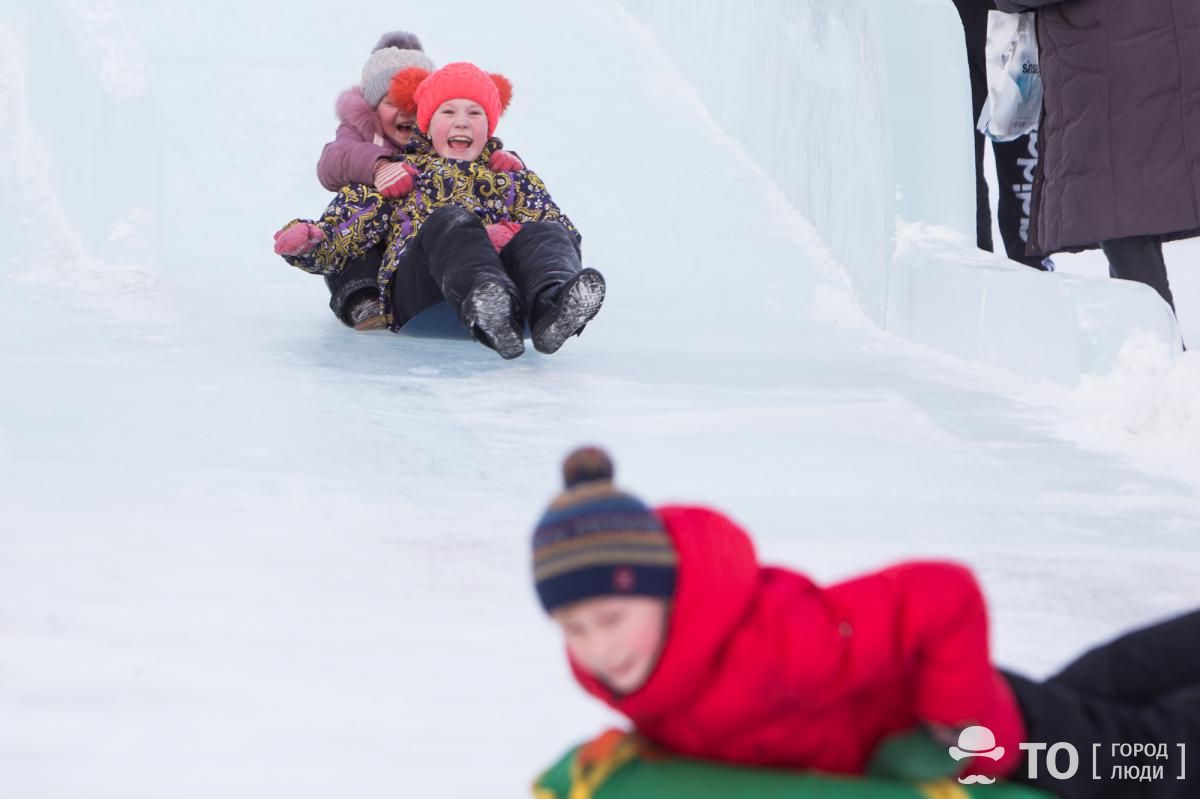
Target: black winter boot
x=559 y=296
x=357 y=280
x=562 y=312
x=490 y=313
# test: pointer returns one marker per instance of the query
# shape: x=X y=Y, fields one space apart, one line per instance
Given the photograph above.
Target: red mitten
x=395 y=178
x=298 y=239
x=501 y=233
x=502 y=161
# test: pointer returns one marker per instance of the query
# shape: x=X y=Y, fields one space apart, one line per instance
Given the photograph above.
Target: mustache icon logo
x=976 y=742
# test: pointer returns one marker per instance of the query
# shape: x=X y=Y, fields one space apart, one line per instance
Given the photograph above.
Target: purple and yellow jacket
x=359 y=218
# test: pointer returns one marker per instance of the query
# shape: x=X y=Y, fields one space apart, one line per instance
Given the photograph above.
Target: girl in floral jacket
x=374 y=135
x=492 y=244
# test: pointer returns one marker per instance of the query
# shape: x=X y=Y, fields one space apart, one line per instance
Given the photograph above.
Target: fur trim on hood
x=354 y=110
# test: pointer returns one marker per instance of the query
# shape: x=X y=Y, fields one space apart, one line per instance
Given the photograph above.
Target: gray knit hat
x=395 y=51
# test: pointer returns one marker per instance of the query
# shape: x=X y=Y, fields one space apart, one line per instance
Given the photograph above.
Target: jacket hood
x=354 y=110
x=715 y=585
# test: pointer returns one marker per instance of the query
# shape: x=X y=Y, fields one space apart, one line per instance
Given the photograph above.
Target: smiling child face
x=459 y=129
x=397 y=125
x=616 y=639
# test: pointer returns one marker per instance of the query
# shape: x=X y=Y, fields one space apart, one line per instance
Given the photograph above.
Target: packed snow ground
x=247 y=552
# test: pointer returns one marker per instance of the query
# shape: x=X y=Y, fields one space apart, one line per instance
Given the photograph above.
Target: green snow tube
x=614 y=767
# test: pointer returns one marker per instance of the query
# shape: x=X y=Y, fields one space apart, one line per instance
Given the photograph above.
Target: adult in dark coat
x=1120 y=131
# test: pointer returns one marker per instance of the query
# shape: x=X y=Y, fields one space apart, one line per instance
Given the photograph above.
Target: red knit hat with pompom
x=453 y=81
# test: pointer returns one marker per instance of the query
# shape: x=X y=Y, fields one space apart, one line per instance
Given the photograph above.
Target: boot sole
x=582 y=301
x=371 y=323
x=490 y=311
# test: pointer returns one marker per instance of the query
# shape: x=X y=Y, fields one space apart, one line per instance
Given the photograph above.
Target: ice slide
x=245 y=552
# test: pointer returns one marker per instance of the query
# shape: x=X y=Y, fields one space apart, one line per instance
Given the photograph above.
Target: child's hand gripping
x=503 y=161
x=298 y=239
x=501 y=233
x=394 y=178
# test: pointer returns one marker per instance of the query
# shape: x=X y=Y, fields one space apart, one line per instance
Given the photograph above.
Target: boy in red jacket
x=669 y=619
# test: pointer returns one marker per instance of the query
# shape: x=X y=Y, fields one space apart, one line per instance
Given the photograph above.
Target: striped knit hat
x=597 y=541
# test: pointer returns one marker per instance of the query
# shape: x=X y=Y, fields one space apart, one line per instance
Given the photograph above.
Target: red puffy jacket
x=763 y=667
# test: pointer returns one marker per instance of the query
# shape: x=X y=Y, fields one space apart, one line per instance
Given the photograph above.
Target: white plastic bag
x=1014 y=79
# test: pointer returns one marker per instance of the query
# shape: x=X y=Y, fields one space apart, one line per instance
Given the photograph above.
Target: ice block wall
x=88 y=111
x=802 y=86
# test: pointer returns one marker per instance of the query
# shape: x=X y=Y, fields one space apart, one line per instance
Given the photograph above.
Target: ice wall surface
x=802 y=87
x=88 y=109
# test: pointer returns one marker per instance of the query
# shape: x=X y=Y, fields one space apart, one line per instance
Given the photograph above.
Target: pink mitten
x=503 y=161
x=394 y=178
x=298 y=239
x=501 y=233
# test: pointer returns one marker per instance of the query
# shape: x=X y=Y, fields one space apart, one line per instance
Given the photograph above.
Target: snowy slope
x=246 y=552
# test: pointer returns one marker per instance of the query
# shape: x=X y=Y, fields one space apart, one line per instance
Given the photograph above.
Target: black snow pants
x=359 y=280
x=1139 y=258
x=451 y=254
x=1016 y=161
x=1140 y=690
